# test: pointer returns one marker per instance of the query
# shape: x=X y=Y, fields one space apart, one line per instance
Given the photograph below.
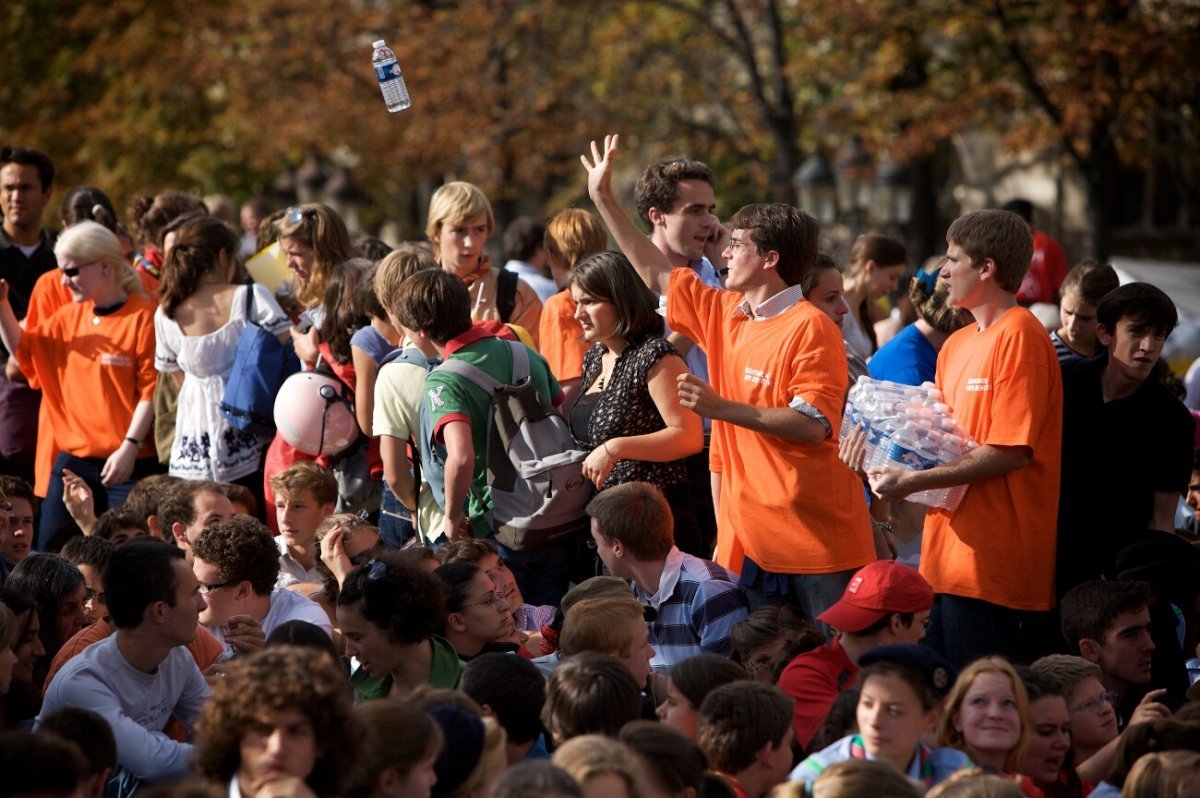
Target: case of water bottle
x=908 y=426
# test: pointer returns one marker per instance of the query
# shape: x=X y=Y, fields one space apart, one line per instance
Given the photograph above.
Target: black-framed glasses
x=206 y=589
x=73 y=271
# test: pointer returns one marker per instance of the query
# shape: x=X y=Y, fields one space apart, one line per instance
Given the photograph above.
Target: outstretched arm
x=782 y=422
x=651 y=264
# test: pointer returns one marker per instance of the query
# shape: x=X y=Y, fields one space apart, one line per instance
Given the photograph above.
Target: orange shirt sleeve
x=561 y=338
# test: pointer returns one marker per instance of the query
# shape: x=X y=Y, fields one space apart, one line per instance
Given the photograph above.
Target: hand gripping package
x=908 y=426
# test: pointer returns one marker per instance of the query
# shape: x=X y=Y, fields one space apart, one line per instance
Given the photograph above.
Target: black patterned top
x=625 y=408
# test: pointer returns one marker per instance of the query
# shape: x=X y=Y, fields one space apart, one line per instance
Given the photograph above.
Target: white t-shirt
x=286 y=605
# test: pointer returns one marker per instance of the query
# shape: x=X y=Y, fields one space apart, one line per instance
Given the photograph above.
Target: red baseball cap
x=876 y=590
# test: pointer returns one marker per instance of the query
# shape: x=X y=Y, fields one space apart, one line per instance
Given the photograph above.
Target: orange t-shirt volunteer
x=93 y=370
x=1005 y=389
x=793 y=508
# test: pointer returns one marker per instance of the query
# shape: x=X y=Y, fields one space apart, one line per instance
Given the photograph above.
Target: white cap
x=380 y=43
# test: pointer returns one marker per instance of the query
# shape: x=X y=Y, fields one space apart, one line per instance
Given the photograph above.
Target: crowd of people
x=362 y=596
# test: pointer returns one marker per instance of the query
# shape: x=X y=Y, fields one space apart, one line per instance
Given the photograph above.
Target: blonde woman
x=603 y=767
x=94 y=361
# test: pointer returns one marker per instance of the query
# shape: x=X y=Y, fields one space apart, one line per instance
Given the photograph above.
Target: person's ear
x=895 y=624
x=1090 y=649
x=987 y=269
x=657 y=217
x=933 y=718
x=179 y=532
x=327 y=509
x=243 y=590
x=764 y=754
x=771 y=259
x=388 y=783
x=455 y=621
x=1103 y=335
x=617 y=546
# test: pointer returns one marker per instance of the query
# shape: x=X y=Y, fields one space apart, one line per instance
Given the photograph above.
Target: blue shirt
x=698 y=603
x=929 y=766
x=908 y=358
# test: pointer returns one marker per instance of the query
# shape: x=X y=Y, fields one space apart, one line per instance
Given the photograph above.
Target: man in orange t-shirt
x=793 y=519
x=991 y=561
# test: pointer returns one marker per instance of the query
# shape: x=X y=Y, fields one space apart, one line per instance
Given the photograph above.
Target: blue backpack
x=260 y=366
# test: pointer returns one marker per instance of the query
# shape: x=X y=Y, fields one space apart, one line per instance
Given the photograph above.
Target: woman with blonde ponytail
x=94 y=361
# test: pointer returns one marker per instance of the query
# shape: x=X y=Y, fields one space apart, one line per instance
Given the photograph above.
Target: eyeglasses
x=735 y=245
x=1097 y=705
x=487 y=602
x=73 y=271
x=206 y=589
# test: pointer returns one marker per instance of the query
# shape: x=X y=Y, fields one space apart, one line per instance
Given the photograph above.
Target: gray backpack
x=534 y=466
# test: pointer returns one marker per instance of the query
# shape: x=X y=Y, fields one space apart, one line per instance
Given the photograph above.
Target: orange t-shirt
x=48 y=295
x=93 y=370
x=561 y=338
x=1005 y=389
x=793 y=508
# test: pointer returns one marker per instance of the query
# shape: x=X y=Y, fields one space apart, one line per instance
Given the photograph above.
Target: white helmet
x=313 y=415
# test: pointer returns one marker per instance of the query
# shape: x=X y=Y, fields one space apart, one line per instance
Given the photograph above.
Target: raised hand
x=599 y=166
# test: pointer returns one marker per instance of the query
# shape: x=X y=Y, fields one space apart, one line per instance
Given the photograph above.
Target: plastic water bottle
x=391 y=82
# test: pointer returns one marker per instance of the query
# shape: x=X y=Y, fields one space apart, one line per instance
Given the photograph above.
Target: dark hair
x=372 y=248
x=842 y=719
x=1021 y=207
x=536 y=778
x=471 y=550
x=179 y=503
x=768 y=625
x=590 y=693
x=87 y=204
x=285 y=677
x=139 y=574
x=1143 y=303
x=93 y=551
x=148 y=215
x=696 y=677
x=87 y=730
x=399 y=737
x=1039 y=684
x=457 y=577
x=434 y=302
x=366 y=301
x=738 y=719
x=658 y=187
x=398 y=596
x=926 y=692
x=28 y=156
x=933 y=305
x=822 y=264
x=199 y=242
x=304 y=635
x=885 y=250
x=1090 y=608
x=610 y=277
x=148 y=493
x=47 y=579
x=343 y=317
x=1165 y=734
x=242 y=549
x=637 y=515
x=113 y=520
x=522 y=238
x=40 y=764
x=1001 y=236
x=17 y=488
x=514 y=689
x=786 y=230
x=675 y=760
x=1091 y=280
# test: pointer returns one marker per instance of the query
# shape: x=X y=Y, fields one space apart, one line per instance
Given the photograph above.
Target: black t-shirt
x=1116 y=456
x=22 y=272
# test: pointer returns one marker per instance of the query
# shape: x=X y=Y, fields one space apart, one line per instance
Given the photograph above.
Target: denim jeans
x=395 y=520
x=542 y=574
x=811 y=593
x=56 y=525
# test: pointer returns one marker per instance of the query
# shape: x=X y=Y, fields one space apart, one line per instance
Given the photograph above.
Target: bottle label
x=388 y=70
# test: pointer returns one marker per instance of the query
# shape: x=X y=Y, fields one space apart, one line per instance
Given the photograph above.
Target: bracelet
x=134 y=441
x=887 y=527
x=607 y=452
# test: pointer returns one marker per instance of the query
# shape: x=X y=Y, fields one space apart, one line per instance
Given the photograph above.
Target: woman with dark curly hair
x=389 y=611
x=280 y=722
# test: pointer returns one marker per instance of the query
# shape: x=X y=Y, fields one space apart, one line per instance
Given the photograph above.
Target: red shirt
x=814 y=679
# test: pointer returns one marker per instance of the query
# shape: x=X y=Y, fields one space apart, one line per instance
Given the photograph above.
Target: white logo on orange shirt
x=979 y=384
x=115 y=359
x=757 y=376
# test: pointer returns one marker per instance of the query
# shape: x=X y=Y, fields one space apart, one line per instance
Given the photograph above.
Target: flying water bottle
x=391 y=82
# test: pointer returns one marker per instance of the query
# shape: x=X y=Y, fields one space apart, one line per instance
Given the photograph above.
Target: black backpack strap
x=250 y=305
x=506 y=294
